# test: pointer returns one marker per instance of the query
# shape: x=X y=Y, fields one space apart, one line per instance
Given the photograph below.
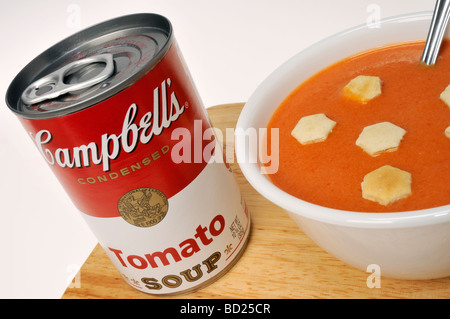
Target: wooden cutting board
x=279 y=261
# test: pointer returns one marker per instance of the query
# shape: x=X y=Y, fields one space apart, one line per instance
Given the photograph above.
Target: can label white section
x=203 y=231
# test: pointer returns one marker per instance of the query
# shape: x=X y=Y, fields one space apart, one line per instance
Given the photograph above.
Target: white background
x=230 y=46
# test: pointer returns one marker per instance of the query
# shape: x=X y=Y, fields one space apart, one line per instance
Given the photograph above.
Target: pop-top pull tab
x=55 y=84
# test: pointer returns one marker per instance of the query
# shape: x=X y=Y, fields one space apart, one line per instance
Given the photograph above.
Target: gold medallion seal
x=143 y=207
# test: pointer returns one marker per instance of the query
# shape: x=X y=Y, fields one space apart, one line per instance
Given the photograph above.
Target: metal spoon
x=438 y=26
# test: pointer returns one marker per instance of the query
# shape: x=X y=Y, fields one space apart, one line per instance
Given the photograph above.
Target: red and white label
x=167 y=225
x=124 y=140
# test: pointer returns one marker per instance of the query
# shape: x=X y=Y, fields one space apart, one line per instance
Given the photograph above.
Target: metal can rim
x=34 y=67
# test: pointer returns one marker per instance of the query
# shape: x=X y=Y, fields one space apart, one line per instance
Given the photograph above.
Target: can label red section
x=170 y=218
x=125 y=139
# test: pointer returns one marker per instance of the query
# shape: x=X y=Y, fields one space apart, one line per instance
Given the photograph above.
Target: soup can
x=114 y=111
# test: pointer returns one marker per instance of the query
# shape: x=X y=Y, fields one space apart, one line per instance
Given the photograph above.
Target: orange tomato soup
x=330 y=173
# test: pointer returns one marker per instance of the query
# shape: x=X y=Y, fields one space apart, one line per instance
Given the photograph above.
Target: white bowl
x=407 y=245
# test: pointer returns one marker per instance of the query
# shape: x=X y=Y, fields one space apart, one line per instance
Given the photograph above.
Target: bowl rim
x=301 y=208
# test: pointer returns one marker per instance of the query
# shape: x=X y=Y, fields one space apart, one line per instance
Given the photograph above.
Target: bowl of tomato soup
x=323 y=183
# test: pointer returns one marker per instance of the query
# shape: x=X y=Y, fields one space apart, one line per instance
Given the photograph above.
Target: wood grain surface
x=279 y=261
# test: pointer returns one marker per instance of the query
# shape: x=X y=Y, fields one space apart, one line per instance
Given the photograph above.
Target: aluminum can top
x=90 y=66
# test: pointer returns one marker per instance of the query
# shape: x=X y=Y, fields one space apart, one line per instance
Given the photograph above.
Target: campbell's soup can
x=114 y=112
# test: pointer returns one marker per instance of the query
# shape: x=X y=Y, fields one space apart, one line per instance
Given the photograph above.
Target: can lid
x=90 y=66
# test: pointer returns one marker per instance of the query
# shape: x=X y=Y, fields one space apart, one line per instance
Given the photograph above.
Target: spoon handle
x=436 y=33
